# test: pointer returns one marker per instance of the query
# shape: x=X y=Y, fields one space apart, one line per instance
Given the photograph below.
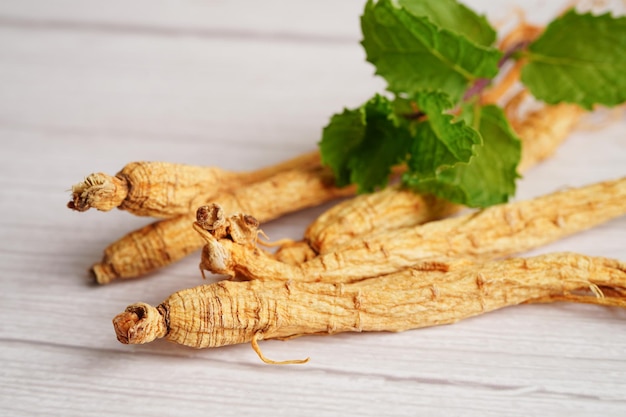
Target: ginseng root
x=495 y=232
x=541 y=132
x=229 y=312
x=164 y=190
x=164 y=242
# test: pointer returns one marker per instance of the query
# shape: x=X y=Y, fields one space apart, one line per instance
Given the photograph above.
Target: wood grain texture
x=89 y=86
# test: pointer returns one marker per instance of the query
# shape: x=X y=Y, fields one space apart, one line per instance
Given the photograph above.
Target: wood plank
x=186 y=90
x=325 y=21
x=322 y=21
x=50 y=374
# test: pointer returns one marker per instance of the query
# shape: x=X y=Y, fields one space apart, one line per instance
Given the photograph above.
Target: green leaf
x=490 y=176
x=454 y=16
x=439 y=142
x=580 y=58
x=414 y=54
x=362 y=145
x=340 y=138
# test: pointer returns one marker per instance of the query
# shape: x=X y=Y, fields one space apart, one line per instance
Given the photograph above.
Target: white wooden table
x=90 y=85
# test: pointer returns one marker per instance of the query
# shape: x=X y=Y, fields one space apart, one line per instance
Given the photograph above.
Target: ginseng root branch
x=495 y=232
x=164 y=190
x=230 y=312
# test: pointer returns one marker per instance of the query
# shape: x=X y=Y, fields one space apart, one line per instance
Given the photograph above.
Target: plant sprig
x=437 y=57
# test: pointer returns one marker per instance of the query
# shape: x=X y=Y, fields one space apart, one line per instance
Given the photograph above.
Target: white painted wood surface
x=90 y=85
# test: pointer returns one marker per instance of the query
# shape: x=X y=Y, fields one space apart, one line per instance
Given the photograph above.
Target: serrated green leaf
x=438 y=141
x=340 y=138
x=413 y=54
x=580 y=58
x=362 y=145
x=490 y=176
x=454 y=16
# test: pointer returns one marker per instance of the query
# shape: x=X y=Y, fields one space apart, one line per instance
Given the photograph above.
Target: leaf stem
x=481 y=84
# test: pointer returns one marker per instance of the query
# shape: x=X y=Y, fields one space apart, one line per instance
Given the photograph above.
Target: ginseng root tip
x=102 y=273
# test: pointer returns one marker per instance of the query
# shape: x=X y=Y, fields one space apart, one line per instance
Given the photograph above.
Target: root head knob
x=140 y=323
x=210 y=217
x=99 y=191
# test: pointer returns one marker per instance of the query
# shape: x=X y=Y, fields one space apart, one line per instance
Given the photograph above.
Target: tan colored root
x=165 y=190
x=164 y=242
x=295 y=253
x=229 y=312
x=147 y=249
x=492 y=233
x=544 y=130
x=541 y=132
x=390 y=208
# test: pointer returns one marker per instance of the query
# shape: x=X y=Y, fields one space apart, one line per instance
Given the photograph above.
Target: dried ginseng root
x=228 y=312
x=167 y=241
x=494 y=232
x=541 y=132
x=164 y=190
x=390 y=208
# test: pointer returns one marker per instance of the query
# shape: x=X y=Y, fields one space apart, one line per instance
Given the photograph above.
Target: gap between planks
x=127 y=29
